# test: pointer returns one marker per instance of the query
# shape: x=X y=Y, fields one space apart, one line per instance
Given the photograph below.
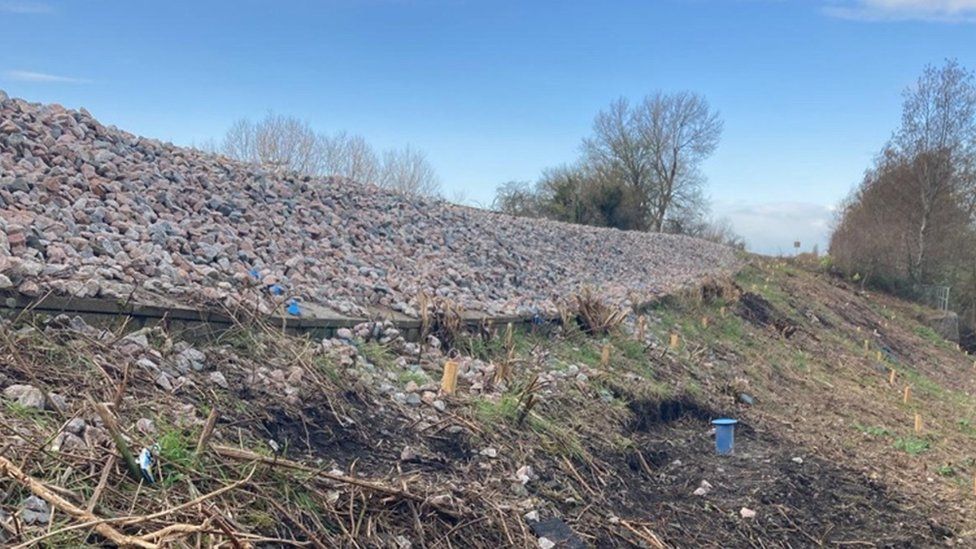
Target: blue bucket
x=724 y=435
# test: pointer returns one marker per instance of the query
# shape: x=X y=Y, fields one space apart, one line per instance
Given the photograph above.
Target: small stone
x=703 y=489
x=413 y=399
x=57 y=402
x=439 y=405
x=489 y=452
x=35 y=511
x=747 y=513
x=747 y=399
x=75 y=426
x=218 y=379
x=5 y=282
x=531 y=516
x=345 y=334
x=546 y=543
x=67 y=442
x=146 y=426
x=27 y=396
x=164 y=381
x=408 y=454
x=797 y=460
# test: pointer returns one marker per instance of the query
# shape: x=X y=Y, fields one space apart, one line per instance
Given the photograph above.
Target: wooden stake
x=879 y=356
x=908 y=394
x=721 y=311
x=449 y=379
x=867 y=344
x=509 y=337
x=674 y=341
x=918 y=424
x=891 y=377
x=641 y=327
x=605 y=356
x=705 y=322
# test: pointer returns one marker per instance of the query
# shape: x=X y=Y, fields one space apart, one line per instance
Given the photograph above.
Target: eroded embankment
x=601 y=437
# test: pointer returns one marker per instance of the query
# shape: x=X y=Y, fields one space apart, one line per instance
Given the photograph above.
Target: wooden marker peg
x=449 y=379
x=674 y=341
x=878 y=355
x=705 y=322
x=891 y=377
x=721 y=311
x=867 y=344
x=641 y=327
x=605 y=356
x=918 y=424
x=908 y=394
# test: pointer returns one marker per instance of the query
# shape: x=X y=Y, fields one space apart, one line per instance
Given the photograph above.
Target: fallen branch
x=40 y=490
x=247 y=455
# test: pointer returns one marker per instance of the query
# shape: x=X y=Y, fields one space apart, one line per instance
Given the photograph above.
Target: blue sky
x=498 y=90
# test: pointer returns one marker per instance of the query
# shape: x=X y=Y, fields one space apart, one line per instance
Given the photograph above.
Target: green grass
x=873 y=430
x=929 y=335
x=946 y=471
x=912 y=445
x=15 y=409
x=379 y=355
x=504 y=413
x=418 y=377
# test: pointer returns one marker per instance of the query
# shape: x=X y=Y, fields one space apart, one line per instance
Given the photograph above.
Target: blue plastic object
x=255 y=274
x=293 y=308
x=276 y=289
x=724 y=435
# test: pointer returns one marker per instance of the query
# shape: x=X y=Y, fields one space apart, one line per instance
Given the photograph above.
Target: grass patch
x=417 y=377
x=929 y=335
x=912 y=445
x=873 y=430
x=378 y=354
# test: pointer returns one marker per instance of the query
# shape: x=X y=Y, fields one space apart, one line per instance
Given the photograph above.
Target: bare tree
x=515 y=198
x=349 y=156
x=937 y=139
x=680 y=131
x=657 y=147
x=408 y=171
x=276 y=140
x=288 y=142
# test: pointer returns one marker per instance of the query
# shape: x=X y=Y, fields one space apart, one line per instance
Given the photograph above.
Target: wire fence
x=934 y=296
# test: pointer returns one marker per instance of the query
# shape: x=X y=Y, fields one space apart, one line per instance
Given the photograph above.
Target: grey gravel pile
x=92 y=211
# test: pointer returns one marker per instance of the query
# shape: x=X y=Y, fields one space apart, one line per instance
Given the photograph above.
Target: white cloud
x=946 y=11
x=25 y=7
x=41 y=77
x=772 y=227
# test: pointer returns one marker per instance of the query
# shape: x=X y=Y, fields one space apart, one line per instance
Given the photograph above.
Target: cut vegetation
x=593 y=431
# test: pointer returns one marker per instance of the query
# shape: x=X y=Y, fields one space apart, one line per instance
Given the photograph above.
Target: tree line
x=640 y=169
x=911 y=222
x=291 y=143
